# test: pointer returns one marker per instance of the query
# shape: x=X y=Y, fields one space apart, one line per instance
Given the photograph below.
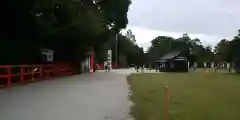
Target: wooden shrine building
x=173 y=62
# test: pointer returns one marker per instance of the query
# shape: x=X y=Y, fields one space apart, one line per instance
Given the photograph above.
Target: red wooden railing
x=10 y=74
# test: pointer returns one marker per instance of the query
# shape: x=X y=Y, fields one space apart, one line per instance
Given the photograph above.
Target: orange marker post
x=166 y=103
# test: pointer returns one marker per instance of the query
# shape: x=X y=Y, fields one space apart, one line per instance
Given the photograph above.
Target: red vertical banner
x=92 y=61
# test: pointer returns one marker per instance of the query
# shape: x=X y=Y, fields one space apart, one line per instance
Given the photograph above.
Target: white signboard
x=48 y=55
x=109 y=59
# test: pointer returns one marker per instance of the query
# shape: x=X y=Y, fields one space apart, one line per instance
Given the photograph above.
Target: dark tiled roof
x=162 y=61
x=170 y=55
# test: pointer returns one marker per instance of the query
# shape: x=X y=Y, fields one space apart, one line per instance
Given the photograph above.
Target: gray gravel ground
x=97 y=96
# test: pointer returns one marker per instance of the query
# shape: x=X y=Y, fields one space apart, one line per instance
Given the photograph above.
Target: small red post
x=91 y=62
x=9 y=78
x=33 y=72
x=40 y=71
x=91 y=59
x=52 y=70
x=21 y=74
x=166 y=103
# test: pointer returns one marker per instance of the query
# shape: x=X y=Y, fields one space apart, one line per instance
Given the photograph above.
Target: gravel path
x=97 y=96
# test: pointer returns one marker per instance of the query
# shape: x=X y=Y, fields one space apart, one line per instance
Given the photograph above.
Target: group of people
x=216 y=66
x=141 y=67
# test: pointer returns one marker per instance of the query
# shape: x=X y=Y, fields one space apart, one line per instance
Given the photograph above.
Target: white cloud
x=208 y=20
x=144 y=36
x=209 y=17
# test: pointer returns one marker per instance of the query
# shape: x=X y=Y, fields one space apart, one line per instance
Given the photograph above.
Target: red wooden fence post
x=52 y=70
x=9 y=78
x=21 y=74
x=34 y=70
x=40 y=71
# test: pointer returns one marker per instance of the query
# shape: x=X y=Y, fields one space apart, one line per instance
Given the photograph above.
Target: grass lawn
x=193 y=96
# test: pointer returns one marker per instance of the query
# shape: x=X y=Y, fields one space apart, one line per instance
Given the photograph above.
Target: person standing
x=229 y=67
x=137 y=68
x=157 y=68
x=205 y=65
x=142 y=68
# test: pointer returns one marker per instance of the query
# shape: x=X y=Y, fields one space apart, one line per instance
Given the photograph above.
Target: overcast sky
x=210 y=20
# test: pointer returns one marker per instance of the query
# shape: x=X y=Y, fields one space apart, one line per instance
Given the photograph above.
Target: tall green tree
x=222 y=49
x=234 y=51
x=129 y=52
x=67 y=26
x=115 y=13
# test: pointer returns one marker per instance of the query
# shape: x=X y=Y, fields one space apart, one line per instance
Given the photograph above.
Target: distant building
x=173 y=62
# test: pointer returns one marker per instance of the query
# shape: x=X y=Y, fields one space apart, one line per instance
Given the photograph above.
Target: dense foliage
x=192 y=48
x=69 y=27
x=228 y=50
x=127 y=49
x=224 y=51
